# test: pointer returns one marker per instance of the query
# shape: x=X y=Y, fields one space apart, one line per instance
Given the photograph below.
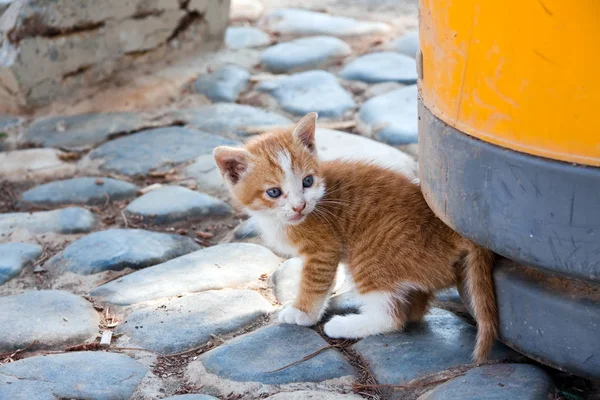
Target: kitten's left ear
x=305 y=130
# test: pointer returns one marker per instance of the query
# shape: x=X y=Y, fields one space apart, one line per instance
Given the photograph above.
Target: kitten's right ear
x=232 y=161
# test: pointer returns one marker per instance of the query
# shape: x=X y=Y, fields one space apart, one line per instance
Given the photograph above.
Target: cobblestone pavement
x=115 y=224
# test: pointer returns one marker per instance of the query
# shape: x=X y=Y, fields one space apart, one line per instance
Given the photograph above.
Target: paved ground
x=114 y=223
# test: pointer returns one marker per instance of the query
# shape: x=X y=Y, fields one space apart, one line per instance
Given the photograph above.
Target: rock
x=153 y=148
x=187 y=322
x=337 y=145
x=305 y=92
x=245 y=10
x=241 y=37
x=297 y=22
x=191 y=397
x=381 y=67
x=64 y=221
x=304 y=54
x=8 y=121
x=89 y=190
x=14 y=257
x=79 y=131
x=54 y=319
x=498 y=382
x=224 y=266
x=246 y=230
x=117 y=249
x=407 y=44
x=449 y=296
x=78 y=375
x=537 y=310
x=441 y=342
x=224 y=84
x=392 y=117
x=229 y=118
x=378 y=89
x=250 y=357
x=19 y=165
x=313 y=395
x=206 y=174
x=175 y=203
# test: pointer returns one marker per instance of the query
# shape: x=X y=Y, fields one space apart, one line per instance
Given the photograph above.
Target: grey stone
x=224 y=84
x=251 y=357
x=175 y=203
x=52 y=318
x=449 y=296
x=30 y=164
x=379 y=67
x=65 y=221
x=89 y=190
x=304 y=53
x=82 y=130
x=78 y=375
x=224 y=266
x=187 y=322
x=497 y=382
x=392 y=117
x=229 y=118
x=441 y=342
x=538 y=310
x=14 y=257
x=117 y=249
x=206 y=174
x=191 y=397
x=8 y=121
x=313 y=395
x=305 y=92
x=239 y=37
x=246 y=230
x=141 y=152
x=297 y=22
x=407 y=44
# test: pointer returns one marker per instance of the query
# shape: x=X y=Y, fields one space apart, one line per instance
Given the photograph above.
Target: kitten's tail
x=480 y=287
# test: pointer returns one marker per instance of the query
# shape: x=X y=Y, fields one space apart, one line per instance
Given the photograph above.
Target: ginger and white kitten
x=374 y=220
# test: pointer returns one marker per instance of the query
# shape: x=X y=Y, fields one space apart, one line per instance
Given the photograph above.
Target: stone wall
x=52 y=47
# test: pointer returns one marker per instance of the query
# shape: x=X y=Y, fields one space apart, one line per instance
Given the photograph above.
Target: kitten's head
x=276 y=175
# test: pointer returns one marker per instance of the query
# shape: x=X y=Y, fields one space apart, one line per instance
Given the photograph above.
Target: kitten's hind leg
x=380 y=313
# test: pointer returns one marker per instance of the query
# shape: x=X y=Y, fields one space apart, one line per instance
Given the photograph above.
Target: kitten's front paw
x=339 y=327
x=291 y=315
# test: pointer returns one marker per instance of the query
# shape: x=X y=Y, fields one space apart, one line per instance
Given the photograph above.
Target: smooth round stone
x=191 y=397
x=18 y=165
x=250 y=357
x=224 y=84
x=206 y=174
x=407 y=44
x=440 y=342
x=117 y=249
x=305 y=53
x=89 y=190
x=8 y=121
x=496 y=382
x=231 y=265
x=52 y=318
x=381 y=67
x=226 y=118
x=313 y=395
x=65 y=221
x=187 y=322
x=246 y=230
x=305 y=92
x=241 y=37
x=14 y=257
x=77 y=375
x=175 y=203
x=82 y=130
x=449 y=296
x=297 y=22
x=245 y=10
x=392 y=117
x=153 y=148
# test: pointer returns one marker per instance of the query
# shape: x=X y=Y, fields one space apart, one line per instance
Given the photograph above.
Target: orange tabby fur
x=375 y=220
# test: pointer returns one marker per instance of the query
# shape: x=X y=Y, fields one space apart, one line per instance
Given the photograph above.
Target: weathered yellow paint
x=522 y=74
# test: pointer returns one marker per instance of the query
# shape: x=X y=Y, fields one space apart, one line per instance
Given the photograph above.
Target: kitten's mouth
x=297 y=217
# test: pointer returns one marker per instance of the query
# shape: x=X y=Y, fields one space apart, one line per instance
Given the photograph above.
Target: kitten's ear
x=232 y=161
x=305 y=130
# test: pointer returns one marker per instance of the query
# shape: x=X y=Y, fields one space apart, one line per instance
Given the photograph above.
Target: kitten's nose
x=299 y=208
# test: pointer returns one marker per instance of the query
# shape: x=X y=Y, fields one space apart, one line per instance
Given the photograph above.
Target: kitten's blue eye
x=274 y=192
x=308 y=181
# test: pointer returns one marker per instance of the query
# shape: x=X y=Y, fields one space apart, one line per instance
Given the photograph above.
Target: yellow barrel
x=524 y=75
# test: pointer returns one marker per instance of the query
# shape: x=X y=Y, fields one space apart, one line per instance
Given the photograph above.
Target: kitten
x=376 y=221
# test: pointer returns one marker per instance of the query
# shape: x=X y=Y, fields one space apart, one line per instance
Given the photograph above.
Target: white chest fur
x=274 y=236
